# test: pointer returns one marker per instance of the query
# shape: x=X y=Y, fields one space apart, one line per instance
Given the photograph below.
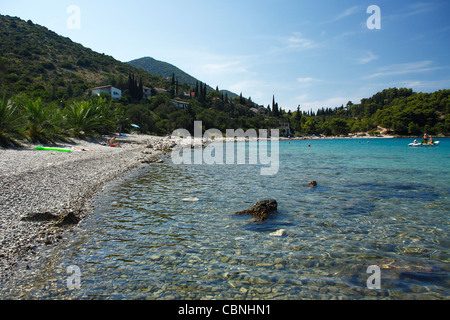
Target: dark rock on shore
x=69 y=218
x=261 y=210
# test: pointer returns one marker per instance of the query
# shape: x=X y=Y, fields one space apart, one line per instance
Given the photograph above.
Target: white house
x=285 y=126
x=180 y=104
x=113 y=92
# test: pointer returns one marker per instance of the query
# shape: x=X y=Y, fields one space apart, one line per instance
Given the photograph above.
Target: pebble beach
x=43 y=193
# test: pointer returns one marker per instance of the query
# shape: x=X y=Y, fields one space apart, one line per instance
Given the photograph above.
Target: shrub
x=41 y=122
x=88 y=118
x=10 y=124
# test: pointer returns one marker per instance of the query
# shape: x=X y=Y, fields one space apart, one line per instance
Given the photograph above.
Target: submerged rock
x=278 y=233
x=313 y=184
x=261 y=209
x=69 y=219
x=191 y=199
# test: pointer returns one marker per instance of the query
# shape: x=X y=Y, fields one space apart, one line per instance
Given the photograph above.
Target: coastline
x=44 y=193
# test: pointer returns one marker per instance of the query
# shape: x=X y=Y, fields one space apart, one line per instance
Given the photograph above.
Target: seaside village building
x=117 y=93
x=285 y=129
x=180 y=104
x=113 y=92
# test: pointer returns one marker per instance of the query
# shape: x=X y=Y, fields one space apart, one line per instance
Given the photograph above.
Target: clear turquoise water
x=377 y=202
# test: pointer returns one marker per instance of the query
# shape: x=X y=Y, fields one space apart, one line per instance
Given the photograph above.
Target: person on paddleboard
x=425 y=138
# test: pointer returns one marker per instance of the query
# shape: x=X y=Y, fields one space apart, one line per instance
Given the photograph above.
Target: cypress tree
x=140 y=93
x=298 y=116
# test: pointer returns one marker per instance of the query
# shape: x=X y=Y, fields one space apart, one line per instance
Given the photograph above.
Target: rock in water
x=261 y=210
x=313 y=184
x=278 y=233
x=191 y=199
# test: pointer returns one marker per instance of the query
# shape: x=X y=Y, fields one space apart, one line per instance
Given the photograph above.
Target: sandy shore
x=45 y=192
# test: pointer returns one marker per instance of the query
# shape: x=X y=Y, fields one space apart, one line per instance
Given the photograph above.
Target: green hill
x=41 y=63
x=163 y=69
x=167 y=70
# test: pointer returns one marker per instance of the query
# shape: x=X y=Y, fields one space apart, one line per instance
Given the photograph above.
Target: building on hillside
x=113 y=92
x=160 y=90
x=180 y=104
x=146 y=93
x=285 y=129
x=189 y=94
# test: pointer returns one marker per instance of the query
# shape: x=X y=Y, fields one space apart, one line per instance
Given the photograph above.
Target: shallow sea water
x=377 y=202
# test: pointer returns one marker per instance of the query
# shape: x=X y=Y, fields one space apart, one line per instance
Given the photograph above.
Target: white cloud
x=411 y=10
x=347 y=13
x=298 y=41
x=368 y=57
x=344 y=14
x=403 y=68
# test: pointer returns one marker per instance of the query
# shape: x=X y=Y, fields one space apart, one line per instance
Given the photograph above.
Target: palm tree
x=40 y=122
x=88 y=118
x=10 y=123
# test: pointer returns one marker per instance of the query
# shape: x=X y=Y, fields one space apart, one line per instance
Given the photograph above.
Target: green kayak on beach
x=52 y=149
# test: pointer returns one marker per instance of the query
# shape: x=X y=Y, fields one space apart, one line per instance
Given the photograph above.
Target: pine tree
x=275 y=111
x=241 y=99
x=140 y=92
x=298 y=116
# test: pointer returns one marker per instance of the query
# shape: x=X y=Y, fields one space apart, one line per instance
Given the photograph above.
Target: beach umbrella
x=136 y=126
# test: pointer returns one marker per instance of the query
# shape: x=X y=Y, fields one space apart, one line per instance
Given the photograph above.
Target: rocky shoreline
x=43 y=193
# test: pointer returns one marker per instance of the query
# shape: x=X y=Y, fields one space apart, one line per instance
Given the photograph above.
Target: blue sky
x=309 y=53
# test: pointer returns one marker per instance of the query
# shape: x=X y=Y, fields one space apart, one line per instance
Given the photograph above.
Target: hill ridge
x=165 y=70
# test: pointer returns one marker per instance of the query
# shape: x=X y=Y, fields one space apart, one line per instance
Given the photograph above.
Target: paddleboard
x=424 y=144
x=52 y=149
